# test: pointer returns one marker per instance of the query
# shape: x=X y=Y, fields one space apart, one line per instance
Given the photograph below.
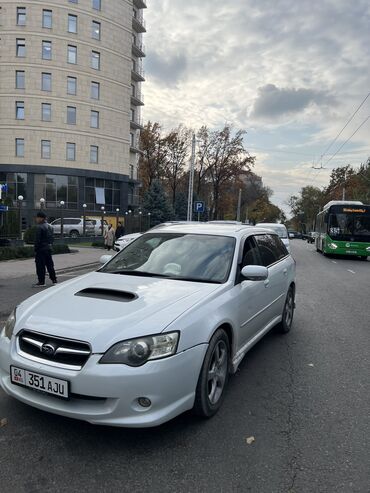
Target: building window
x=72 y=86
x=71 y=115
x=95 y=90
x=111 y=193
x=71 y=151
x=21 y=47
x=94 y=154
x=73 y=1
x=21 y=16
x=95 y=30
x=94 y=119
x=19 y=110
x=96 y=4
x=17 y=185
x=45 y=149
x=20 y=79
x=56 y=188
x=131 y=171
x=72 y=23
x=47 y=19
x=19 y=147
x=72 y=54
x=133 y=115
x=45 y=81
x=46 y=112
x=46 y=50
x=95 y=60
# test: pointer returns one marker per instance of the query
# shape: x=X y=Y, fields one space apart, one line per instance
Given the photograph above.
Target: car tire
x=74 y=234
x=286 y=323
x=213 y=377
x=363 y=259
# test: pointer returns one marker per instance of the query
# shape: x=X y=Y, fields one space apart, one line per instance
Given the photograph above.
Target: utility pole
x=239 y=205
x=344 y=186
x=191 y=181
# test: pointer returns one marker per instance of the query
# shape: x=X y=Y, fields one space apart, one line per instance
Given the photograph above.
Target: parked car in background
x=279 y=229
x=294 y=234
x=125 y=240
x=310 y=237
x=154 y=332
x=97 y=226
x=73 y=227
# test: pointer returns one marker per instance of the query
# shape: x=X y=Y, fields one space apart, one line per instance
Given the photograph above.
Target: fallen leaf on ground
x=3 y=422
x=250 y=440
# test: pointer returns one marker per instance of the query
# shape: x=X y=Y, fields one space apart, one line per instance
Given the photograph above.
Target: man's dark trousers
x=44 y=261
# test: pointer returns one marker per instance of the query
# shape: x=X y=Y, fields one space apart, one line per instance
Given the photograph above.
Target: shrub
x=11 y=253
x=98 y=244
x=29 y=235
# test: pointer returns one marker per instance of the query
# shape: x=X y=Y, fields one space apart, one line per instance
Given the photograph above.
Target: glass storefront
x=99 y=192
x=56 y=188
x=17 y=185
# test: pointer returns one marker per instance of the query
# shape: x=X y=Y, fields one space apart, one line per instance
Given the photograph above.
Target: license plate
x=37 y=381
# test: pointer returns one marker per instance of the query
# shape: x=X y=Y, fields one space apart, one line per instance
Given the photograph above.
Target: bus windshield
x=346 y=225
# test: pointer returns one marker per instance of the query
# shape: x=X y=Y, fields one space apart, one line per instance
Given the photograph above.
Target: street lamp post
x=140 y=216
x=20 y=201
x=149 y=214
x=129 y=222
x=42 y=203
x=117 y=217
x=84 y=219
x=102 y=219
x=62 y=203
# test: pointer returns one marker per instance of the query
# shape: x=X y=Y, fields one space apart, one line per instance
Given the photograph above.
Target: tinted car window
x=250 y=253
x=281 y=248
x=73 y=221
x=270 y=252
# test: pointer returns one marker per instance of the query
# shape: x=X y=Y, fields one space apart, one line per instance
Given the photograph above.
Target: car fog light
x=144 y=402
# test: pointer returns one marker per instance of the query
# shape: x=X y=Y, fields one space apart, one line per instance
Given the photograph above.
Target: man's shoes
x=55 y=281
x=38 y=285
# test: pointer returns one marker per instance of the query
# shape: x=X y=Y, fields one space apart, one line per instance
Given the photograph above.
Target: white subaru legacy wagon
x=156 y=331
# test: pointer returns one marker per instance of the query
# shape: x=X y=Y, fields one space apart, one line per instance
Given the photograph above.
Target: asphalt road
x=304 y=397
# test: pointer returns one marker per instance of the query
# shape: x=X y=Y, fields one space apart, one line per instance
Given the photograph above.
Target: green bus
x=343 y=228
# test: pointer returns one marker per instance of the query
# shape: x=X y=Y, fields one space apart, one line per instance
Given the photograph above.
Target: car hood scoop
x=107 y=294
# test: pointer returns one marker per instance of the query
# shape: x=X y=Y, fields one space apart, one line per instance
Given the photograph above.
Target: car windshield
x=189 y=257
x=277 y=228
x=349 y=225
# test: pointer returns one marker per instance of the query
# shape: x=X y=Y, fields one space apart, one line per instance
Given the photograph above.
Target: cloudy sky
x=289 y=72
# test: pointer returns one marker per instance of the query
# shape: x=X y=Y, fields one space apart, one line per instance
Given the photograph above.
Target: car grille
x=55 y=351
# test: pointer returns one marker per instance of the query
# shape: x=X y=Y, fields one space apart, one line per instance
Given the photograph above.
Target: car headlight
x=9 y=325
x=333 y=246
x=368 y=249
x=136 y=352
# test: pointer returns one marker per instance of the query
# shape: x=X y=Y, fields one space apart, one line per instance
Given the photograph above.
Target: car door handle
x=266 y=283
x=285 y=272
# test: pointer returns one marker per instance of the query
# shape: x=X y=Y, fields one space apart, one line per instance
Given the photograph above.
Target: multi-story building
x=70 y=102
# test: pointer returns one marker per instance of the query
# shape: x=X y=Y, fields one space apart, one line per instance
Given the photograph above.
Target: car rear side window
x=269 y=248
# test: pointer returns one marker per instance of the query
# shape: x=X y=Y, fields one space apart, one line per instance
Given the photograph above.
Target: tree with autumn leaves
x=223 y=166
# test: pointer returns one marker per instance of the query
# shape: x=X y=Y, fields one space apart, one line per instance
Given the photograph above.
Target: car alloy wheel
x=287 y=318
x=213 y=376
x=217 y=372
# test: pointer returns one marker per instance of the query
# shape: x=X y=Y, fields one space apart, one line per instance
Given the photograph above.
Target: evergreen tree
x=181 y=206
x=156 y=202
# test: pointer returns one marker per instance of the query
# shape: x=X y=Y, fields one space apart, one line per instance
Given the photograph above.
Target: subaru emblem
x=48 y=349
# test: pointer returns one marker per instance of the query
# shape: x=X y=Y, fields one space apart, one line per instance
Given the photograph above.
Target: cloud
x=274 y=102
x=166 y=69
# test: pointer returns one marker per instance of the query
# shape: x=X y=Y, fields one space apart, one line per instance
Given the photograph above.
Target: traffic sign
x=4 y=208
x=199 y=206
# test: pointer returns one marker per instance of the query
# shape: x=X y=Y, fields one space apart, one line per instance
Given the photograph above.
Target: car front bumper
x=107 y=394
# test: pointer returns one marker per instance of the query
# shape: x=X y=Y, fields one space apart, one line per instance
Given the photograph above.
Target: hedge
x=11 y=253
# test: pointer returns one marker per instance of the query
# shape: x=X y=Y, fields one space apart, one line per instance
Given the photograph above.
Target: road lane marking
x=351 y=271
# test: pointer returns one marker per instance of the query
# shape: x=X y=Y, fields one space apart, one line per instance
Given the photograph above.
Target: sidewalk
x=14 y=269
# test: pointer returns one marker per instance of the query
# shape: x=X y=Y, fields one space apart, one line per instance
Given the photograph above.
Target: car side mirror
x=254 y=273
x=104 y=259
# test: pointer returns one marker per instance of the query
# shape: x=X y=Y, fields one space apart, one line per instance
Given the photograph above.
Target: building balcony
x=137 y=123
x=138 y=49
x=135 y=147
x=138 y=23
x=140 y=4
x=138 y=74
x=137 y=99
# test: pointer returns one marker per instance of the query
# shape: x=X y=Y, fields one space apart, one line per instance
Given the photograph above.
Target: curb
x=77 y=268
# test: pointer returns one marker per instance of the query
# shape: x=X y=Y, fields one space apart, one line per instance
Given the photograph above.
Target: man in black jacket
x=43 y=258
x=120 y=231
